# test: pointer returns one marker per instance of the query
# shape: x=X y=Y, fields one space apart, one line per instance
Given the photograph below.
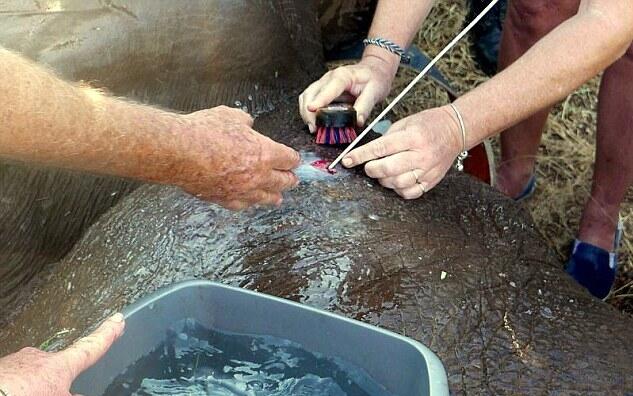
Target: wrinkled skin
x=139 y=49
x=56 y=371
x=505 y=318
x=215 y=170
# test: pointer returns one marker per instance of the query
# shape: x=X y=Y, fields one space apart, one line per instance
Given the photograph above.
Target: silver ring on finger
x=415 y=175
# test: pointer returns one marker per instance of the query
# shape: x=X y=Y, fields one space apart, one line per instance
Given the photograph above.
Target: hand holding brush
x=365 y=84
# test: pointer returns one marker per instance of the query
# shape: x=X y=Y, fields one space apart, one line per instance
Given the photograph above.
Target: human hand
x=414 y=155
x=34 y=372
x=223 y=160
x=368 y=81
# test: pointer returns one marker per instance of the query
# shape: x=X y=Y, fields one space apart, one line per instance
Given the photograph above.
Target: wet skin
x=140 y=50
x=505 y=319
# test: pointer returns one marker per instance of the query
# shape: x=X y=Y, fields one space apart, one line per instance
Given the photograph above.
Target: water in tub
x=194 y=360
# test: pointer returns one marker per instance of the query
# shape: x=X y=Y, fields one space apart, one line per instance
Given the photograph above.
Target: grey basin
x=403 y=366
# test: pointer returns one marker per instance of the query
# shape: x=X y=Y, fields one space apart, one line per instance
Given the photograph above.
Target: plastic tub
x=401 y=365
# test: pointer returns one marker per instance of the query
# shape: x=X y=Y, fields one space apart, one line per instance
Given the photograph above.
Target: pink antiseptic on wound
x=323 y=166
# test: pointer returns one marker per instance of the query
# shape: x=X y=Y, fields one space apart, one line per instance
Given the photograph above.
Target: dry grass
x=566 y=157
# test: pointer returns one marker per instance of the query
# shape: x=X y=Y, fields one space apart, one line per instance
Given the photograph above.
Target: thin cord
x=413 y=83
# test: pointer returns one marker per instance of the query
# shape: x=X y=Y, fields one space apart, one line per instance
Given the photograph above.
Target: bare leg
x=526 y=23
x=613 y=173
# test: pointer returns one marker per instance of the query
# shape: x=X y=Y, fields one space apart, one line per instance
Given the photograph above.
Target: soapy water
x=315 y=168
x=194 y=360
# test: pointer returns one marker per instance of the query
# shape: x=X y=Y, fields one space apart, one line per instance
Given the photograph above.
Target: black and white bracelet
x=389 y=46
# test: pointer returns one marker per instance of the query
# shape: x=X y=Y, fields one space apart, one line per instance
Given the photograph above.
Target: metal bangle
x=462 y=126
x=389 y=46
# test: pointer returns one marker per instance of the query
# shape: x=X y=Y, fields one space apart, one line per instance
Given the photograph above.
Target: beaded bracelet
x=389 y=46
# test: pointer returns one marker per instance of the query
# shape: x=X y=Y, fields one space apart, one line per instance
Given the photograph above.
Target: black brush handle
x=336 y=115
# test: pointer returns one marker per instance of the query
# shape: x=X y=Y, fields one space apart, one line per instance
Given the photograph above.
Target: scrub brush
x=336 y=124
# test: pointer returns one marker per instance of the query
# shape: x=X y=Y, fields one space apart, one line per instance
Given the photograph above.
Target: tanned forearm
x=48 y=121
x=398 y=21
x=563 y=60
x=51 y=122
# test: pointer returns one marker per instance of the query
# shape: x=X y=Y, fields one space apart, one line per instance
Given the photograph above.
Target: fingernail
x=347 y=162
x=312 y=128
x=361 y=120
x=117 y=317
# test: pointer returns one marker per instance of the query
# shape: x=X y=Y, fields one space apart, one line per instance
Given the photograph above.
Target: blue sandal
x=593 y=267
x=529 y=190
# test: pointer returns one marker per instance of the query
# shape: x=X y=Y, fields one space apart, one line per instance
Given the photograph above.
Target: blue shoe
x=593 y=267
x=530 y=188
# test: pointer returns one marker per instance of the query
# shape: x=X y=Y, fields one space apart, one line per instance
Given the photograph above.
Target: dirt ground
x=565 y=161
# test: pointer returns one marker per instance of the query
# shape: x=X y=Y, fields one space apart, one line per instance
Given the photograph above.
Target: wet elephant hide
x=247 y=54
x=504 y=320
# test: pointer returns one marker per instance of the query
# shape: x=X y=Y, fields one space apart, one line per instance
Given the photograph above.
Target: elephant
x=462 y=270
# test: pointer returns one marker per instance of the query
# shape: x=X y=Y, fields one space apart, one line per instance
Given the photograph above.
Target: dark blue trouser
x=486 y=35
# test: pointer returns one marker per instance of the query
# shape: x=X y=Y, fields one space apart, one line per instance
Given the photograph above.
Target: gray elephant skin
x=461 y=270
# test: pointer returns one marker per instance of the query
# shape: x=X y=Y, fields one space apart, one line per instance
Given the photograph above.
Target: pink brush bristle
x=351 y=134
x=335 y=124
x=332 y=136
x=320 y=136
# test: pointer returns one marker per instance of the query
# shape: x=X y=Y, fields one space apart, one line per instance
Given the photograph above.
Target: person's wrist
x=173 y=140
x=152 y=150
x=382 y=59
x=454 y=137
